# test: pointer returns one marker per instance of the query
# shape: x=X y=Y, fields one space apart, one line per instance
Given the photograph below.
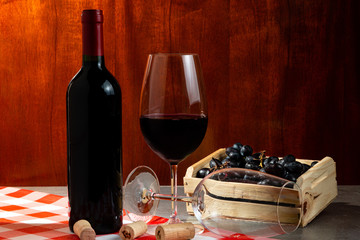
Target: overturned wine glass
x=227 y=202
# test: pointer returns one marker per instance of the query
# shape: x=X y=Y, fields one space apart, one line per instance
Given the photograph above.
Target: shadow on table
x=339 y=220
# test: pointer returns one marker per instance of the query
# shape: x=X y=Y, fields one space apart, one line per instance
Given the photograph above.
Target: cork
x=133 y=230
x=179 y=231
x=84 y=231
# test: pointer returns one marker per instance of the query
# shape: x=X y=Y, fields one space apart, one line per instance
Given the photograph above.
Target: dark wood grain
x=282 y=76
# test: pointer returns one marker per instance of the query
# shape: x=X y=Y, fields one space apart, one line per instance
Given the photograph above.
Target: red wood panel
x=280 y=75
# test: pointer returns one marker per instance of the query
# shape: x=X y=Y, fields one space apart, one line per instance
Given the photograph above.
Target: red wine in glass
x=173 y=136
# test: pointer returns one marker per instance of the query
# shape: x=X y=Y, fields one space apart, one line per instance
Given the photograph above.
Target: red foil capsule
x=92 y=31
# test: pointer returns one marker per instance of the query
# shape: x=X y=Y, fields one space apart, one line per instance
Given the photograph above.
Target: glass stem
x=160 y=196
x=173 y=217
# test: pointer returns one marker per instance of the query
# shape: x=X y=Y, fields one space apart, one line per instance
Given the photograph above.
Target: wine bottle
x=94 y=140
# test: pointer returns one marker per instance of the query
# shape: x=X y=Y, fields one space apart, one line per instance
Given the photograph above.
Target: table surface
x=340 y=220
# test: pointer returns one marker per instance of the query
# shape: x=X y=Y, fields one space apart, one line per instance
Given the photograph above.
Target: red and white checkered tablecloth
x=26 y=214
x=32 y=215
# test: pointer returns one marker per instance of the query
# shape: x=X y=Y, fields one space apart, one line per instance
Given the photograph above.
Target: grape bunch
x=242 y=156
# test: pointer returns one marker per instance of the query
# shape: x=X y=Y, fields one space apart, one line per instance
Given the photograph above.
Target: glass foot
x=139 y=186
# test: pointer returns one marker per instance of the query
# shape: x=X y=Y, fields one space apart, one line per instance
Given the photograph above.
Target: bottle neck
x=89 y=61
x=93 y=44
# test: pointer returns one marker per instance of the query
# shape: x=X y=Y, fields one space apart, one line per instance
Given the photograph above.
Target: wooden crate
x=318 y=185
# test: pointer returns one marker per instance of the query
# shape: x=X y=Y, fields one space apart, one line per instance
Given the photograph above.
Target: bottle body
x=94 y=141
x=94 y=150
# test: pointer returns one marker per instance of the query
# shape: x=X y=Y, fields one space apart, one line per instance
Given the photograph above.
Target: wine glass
x=227 y=202
x=237 y=200
x=173 y=110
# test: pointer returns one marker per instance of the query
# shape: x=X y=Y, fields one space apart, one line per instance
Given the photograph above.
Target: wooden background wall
x=280 y=75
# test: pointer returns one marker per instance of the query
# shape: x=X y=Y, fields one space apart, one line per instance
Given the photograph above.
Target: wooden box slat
x=247 y=210
x=250 y=191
